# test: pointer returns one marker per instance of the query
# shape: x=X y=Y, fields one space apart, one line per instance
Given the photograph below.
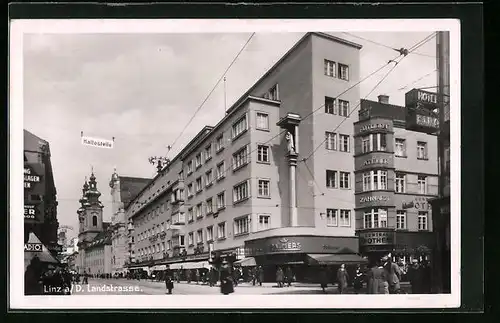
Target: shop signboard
x=33 y=247
x=377 y=125
x=31 y=178
x=420 y=203
x=370 y=199
x=376 y=238
x=374 y=160
x=33 y=213
x=421 y=111
x=300 y=244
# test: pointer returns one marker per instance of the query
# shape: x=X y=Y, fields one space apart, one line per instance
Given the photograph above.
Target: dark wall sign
x=33 y=247
x=33 y=212
x=376 y=238
x=31 y=178
x=300 y=244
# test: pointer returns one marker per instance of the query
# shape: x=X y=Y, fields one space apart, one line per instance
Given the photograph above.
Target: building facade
x=123 y=190
x=272 y=181
x=40 y=195
x=396 y=175
x=94 y=235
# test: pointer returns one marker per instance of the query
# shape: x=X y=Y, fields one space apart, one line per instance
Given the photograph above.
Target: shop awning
x=190 y=265
x=159 y=267
x=335 y=259
x=246 y=262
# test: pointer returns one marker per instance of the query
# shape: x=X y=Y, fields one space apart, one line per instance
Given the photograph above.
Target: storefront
x=303 y=254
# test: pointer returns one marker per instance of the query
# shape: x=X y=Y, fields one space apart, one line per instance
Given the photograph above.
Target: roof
x=396 y=112
x=33 y=142
x=287 y=54
x=130 y=187
x=102 y=238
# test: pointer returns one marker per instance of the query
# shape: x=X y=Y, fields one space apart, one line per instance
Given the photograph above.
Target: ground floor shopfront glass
x=305 y=256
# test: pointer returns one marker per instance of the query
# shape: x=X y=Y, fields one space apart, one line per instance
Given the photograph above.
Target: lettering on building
x=427 y=121
x=330 y=247
x=285 y=245
x=30 y=178
x=378 y=198
x=373 y=161
x=374 y=126
x=30 y=212
x=427 y=97
x=33 y=247
x=376 y=238
x=419 y=203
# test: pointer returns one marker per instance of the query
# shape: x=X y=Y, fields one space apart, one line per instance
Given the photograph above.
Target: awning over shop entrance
x=335 y=259
x=159 y=267
x=190 y=265
x=246 y=262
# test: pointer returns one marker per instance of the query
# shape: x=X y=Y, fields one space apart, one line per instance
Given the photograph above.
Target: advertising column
x=374 y=186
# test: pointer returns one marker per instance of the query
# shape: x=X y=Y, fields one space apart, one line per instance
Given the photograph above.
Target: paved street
x=143 y=287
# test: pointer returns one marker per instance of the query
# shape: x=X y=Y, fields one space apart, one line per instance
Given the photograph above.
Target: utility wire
x=417 y=80
x=213 y=89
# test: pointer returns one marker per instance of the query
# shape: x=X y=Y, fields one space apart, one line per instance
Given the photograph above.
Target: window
x=344 y=143
x=94 y=221
x=190 y=214
x=210 y=233
x=190 y=190
x=422 y=184
x=400 y=185
x=330 y=68
x=421 y=150
x=375 y=218
x=331 y=140
x=400 y=148
x=263 y=154
x=239 y=127
x=169 y=244
x=344 y=179
x=344 y=108
x=198 y=211
x=366 y=144
x=274 y=93
x=190 y=238
x=343 y=72
x=241 y=226
x=374 y=142
x=262 y=121
x=219 y=143
x=401 y=220
x=240 y=158
x=199 y=236
x=345 y=218
x=220 y=171
x=208 y=153
x=422 y=220
x=221 y=201
x=199 y=186
x=330 y=105
x=209 y=206
x=209 y=178
x=221 y=230
x=240 y=192
x=197 y=160
x=375 y=180
x=331 y=217
x=181 y=240
x=264 y=188
x=190 y=167
x=331 y=178
x=264 y=222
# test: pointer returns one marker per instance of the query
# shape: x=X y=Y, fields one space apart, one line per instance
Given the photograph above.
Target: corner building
x=396 y=177
x=239 y=192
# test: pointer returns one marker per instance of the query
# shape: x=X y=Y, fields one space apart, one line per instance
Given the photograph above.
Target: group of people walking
x=46 y=279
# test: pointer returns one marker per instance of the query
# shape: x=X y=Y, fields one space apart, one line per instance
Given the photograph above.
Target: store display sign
x=425 y=99
x=375 y=238
x=30 y=212
x=33 y=247
x=299 y=244
x=30 y=177
x=421 y=111
x=375 y=159
x=375 y=198
x=373 y=125
x=419 y=203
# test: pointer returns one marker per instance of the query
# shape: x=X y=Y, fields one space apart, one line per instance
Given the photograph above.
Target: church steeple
x=92 y=193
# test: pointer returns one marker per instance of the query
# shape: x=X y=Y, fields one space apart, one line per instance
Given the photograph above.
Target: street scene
x=245 y=163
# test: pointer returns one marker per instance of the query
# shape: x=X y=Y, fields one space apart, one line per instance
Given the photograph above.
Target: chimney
x=383 y=99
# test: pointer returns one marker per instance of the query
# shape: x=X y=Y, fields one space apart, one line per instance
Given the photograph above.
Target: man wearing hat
x=416 y=277
x=393 y=274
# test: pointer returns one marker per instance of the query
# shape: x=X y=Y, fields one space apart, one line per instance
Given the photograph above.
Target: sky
x=142 y=89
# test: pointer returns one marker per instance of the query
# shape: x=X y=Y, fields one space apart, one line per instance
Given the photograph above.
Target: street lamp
x=159 y=161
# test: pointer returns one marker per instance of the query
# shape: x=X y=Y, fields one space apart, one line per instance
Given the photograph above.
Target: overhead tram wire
x=400 y=50
x=213 y=89
x=417 y=80
x=402 y=56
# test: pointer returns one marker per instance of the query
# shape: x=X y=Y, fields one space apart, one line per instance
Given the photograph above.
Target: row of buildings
x=290 y=176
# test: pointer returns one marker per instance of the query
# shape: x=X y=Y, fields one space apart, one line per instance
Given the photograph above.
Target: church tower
x=91 y=213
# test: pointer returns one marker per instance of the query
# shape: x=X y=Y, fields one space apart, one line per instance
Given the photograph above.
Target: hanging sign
x=97 y=142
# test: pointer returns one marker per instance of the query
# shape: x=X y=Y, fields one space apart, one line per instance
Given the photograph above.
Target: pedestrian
x=393 y=275
x=197 y=276
x=358 y=280
x=85 y=278
x=236 y=276
x=254 y=275
x=342 y=279
x=415 y=276
x=323 y=278
x=260 y=275
x=377 y=281
x=32 y=277
x=169 y=283
x=279 y=277
x=289 y=276
x=226 y=281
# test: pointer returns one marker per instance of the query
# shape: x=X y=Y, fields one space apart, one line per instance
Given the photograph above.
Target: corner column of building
x=292 y=161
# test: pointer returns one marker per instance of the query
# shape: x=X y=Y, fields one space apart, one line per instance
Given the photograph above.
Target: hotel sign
x=420 y=111
x=422 y=98
x=376 y=238
x=419 y=203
